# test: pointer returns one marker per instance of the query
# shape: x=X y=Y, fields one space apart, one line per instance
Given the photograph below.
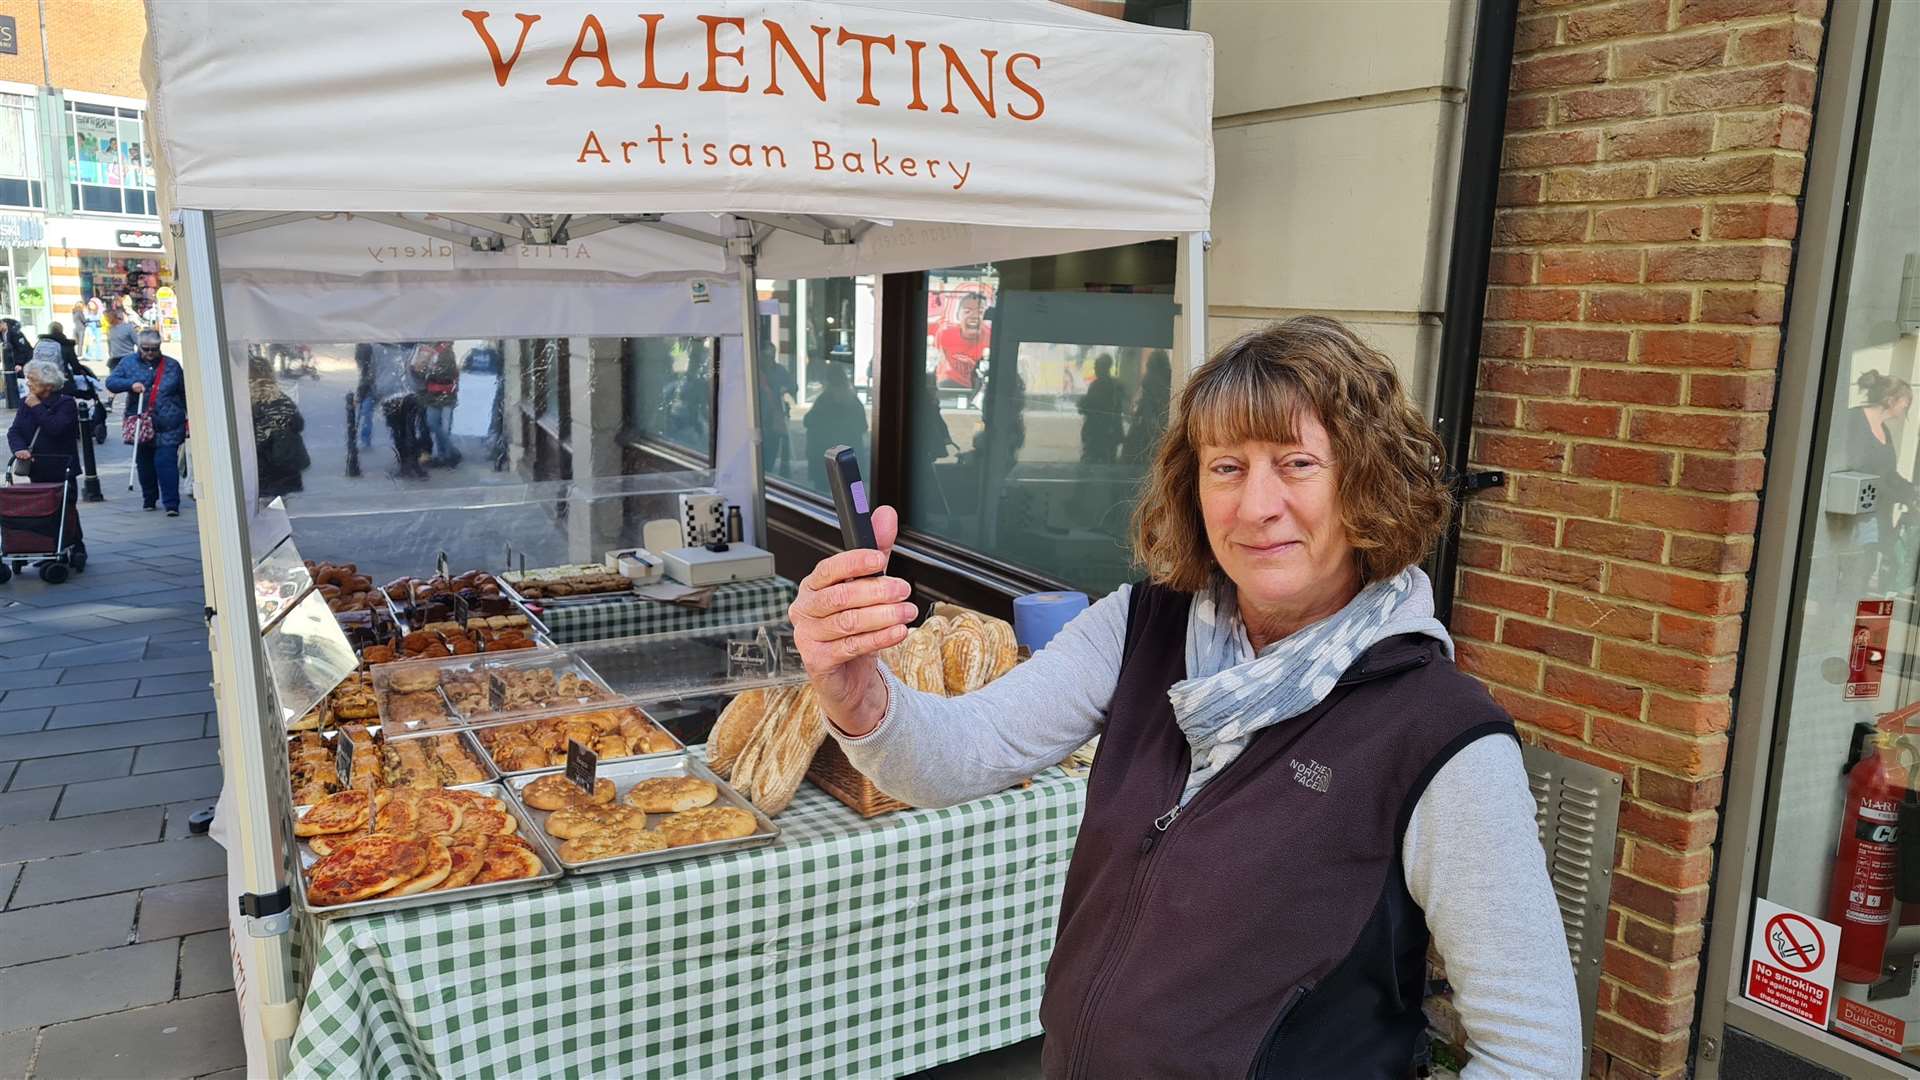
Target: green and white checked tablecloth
x=855 y=948
x=760 y=600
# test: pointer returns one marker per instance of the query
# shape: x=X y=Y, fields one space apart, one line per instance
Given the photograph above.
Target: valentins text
x=940 y=78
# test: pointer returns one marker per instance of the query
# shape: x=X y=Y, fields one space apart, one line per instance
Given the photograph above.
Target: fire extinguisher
x=1866 y=864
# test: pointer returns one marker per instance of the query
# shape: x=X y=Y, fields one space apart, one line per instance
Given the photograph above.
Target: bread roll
x=737 y=723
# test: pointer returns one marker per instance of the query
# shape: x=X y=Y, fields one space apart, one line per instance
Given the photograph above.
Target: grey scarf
x=1230 y=694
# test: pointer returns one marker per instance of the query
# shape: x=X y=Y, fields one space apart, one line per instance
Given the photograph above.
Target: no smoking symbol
x=1794 y=943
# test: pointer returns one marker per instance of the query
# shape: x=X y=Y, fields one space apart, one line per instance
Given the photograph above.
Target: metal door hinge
x=1475 y=482
x=268 y=915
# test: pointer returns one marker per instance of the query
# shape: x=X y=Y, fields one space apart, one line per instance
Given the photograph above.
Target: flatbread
x=671 y=794
x=364 y=867
x=707 y=824
x=465 y=860
x=612 y=845
x=556 y=792
x=574 y=822
x=507 y=860
x=439 y=865
x=439 y=815
x=345 y=811
x=400 y=814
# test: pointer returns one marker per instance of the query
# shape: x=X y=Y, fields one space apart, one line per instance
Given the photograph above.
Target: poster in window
x=96 y=144
x=15 y=137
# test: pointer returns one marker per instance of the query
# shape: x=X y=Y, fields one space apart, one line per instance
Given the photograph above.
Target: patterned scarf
x=1230 y=694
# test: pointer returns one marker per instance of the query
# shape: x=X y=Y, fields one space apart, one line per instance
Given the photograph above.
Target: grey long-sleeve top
x=1472 y=852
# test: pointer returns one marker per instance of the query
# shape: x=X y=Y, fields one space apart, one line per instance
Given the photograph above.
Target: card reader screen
x=859 y=493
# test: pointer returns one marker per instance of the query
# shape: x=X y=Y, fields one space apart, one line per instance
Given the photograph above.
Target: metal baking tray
x=678 y=747
x=527 y=828
x=507 y=590
x=332 y=735
x=628 y=773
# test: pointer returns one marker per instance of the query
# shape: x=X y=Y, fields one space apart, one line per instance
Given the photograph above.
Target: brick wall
x=92 y=45
x=1655 y=150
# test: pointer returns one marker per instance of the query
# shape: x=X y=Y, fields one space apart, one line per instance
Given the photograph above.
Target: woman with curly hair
x=1296 y=789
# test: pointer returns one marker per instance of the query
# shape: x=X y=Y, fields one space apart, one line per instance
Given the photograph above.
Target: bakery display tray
x=527 y=827
x=625 y=775
x=679 y=747
x=507 y=590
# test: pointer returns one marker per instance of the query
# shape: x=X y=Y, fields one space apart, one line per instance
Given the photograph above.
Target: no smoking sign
x=1790 y=963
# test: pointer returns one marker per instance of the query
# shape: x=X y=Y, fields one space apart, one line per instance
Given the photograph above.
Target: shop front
x=114 y=261
x=24 y=294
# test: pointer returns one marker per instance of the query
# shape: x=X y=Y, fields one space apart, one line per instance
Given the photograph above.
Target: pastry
x=366 y=866
x=409 y=679
x=439 y=865
x=556 y=792
x=417 y=708
x=342 y=812
x=573 y=822
x=671 y=794
x=707 y=824
x=611 y=845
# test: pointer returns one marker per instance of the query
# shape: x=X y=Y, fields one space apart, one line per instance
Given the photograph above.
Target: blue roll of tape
x=1039 y=616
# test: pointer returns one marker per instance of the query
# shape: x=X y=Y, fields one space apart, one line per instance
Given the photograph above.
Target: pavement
x=114 y=958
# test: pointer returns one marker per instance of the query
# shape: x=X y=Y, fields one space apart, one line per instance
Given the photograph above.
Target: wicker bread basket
x=832 y=773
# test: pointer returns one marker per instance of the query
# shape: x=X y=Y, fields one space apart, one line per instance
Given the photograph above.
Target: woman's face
x=40 y=390
x=1897 y=408
x=1272 y=512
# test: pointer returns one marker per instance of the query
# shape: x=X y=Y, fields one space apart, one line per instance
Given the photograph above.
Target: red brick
x=1518 y=189
x=1689 y=716
x=1546 y=715
x=1703 y=756
x=1648 y=974
x=1504 y=524
x=1543 y=305
x=1602 y=616
x=1580 y=266
x=1563 y=496
x=1683 y=832
x=1680 y=869
x=1481 y=553
x=1541 y=379
x=1551 y=148
x=1734 y=475
x=1707 y=596
x=1701 y=431
x=1532 y=35
x=1786 y=128
x=1654 y=1014
x=1765 y=306
x=1566 y=343
x=1745 y=393
x=1700 y=348
x=1497 y=665
x=1518 y=452
x=1626 y=464
x=1510 y=268
x=1675 y=908
x=1472 y=622
x=1580 y=752
x=1671 y=137
x=1665 y=56
x=1777 y=84
x=1661 y=223
x=1593 y=691
x=1549 y=640
x=1572 y=418
x=1539 y=564
x=1505 y=342
x=1589 y=184
x=1663 y=942
x=1638 y=306
x=1637 y=387
x=1700 y=12
x=1689 y=512
x=1712 y=555
x=1496 y=410
x=1674 y=671
x=1719 y=262
x=1505 y=594
x=1772 y=174
x=1658 y=1055
x=1562 y=69
x=1621 y=541
x=1621 y=1069
x=1777 y=41
x=1512 y=227
x=1704 y=637
x=1756 y=221
x=1608 y=103
x=1617 y=20
x=1672 y=791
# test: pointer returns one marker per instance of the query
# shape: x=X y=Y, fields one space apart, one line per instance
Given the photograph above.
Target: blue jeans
x=366 y=406
x=440 y=422
x=158 y=464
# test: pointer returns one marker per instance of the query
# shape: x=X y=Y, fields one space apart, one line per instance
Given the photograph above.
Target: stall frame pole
x=1193 y=298
x=743 y=248
x=239 y=680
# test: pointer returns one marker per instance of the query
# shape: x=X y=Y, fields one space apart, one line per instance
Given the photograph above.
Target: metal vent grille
x=1577 y=808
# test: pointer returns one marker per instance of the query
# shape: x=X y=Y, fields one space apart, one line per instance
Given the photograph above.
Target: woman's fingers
x=826 y=655
x=852 y=622
x=824 y=603
x=886 y=527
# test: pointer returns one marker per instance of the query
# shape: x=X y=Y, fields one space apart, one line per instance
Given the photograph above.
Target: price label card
x=343 y=760
x=748 y=658
x=583 y=765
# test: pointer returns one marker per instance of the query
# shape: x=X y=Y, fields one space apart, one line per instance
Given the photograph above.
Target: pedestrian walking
x=1296 y=789
x=15 y=351
x=439 y=394
x=279 y=442
x=48 y=421
x=156 y=421
x=1104 y=407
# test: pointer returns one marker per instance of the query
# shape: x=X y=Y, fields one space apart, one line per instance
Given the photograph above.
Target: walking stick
x=353 y=433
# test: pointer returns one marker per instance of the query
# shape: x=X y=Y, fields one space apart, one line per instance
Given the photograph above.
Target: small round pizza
x=707 y=824
x=366 y=866
x=556 y=792
x=438 y=814
x=465 y=856
x=483 y=823
x=345 y=811
x=574 y=822
x=400 y=814
x=612 y=845
x=439 y=865
x=476 y=801
x=508 y=860
x=671 y=794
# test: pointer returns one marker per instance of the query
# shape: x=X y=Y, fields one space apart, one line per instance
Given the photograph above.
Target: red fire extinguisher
x=1866 y=863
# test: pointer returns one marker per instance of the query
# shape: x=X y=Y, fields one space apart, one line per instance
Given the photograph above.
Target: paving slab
x=161 y=757
x=9 y=873
x=114 y=633
x=175 y=684
x=23 y=807
x=22 y=720
x=212 y=728
x=147 y=789
x=227 y=1074
x=178 y=813
x=196 y=647
x=206 y=963
x=114 y=712
x=97 y=873
x=35 y=744
x=69 y=693
x=66 y=621
x=73 y=768
x=6 y=774
x=76 y=653
x=39 y=644
x=16 y=1052
x=184 y=908
x=87 y=985
x=147 y=668
x=42 y=933
x=47 y=839
x=20 y=680
x=181 y=1038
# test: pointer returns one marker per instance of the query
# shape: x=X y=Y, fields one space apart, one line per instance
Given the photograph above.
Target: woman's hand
x=844 y=614
x=23 y=455
x=138 y=388
x=32 y=399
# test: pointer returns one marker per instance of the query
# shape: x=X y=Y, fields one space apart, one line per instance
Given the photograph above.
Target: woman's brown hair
x=1389 y=464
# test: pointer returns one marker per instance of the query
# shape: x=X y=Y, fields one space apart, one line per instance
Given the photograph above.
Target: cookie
x=671 y=794
x=707 y=824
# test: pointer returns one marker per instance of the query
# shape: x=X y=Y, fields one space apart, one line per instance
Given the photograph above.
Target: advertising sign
x=1791 y=961
x=1867 y=652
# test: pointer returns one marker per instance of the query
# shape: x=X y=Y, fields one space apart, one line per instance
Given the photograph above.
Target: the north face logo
x=1312 y=774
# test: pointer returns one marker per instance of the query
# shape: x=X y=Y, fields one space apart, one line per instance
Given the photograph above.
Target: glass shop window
x=108 y=164
x=818 y=375
x=671 y=384
x=19 y=154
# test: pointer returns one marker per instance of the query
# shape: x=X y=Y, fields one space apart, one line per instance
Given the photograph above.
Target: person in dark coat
x=15 y=351
x=48 y=421
x=1104 y=405
x=280 y=447
x=157 y=462
x=1869 y=443
x=1149 y=409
